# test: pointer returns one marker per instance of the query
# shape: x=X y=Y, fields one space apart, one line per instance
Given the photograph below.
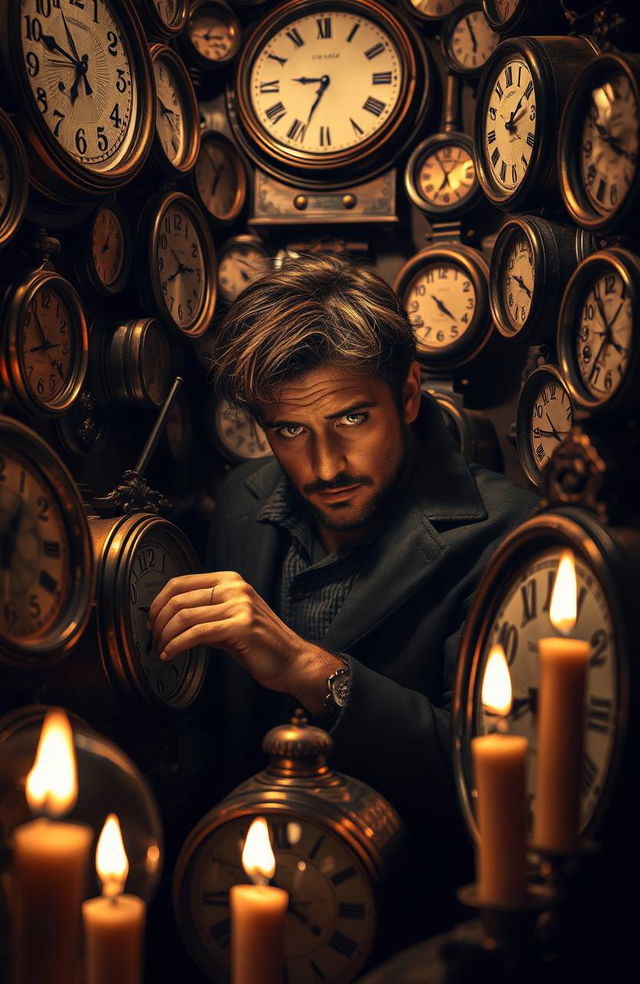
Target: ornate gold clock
x=46 y=563
x=467 y=40
x=242 y=260
x=329 y=92
x=440 y=176
x=333 y=837
x=14 y=179
x=79 y=78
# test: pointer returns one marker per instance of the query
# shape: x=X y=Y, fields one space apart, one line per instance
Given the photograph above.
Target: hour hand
x=306 y=81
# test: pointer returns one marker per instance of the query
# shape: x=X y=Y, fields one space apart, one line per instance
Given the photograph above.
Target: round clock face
x=239 y=266
x=213 y=33
x=108 y=246
x=330 y=921
x=545 y=417
x=446 y=176
x=518 y=280
x=510 y=124
x=171 y=111
x=48 y=346
x=609 y=143
x=237 y=435
x=219 y=178
x=603 y=341
x=470 y=41
x=441 y=303
x=326 y=82
x=180 y=260
x=434 y=9
x=167 y=10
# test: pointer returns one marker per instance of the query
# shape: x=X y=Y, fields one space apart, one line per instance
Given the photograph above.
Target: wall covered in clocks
x=155 y=159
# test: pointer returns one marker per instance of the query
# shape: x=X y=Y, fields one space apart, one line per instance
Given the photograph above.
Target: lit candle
x=113 y=924
x=50 y=865
x=563 y=667
x=500 y=763
x=257 y=914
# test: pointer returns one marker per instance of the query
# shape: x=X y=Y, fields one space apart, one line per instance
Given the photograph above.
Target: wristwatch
x=337 y=690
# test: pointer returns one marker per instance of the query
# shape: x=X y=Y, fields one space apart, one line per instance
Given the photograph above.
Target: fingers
x=186 y=584
x=202 y=634
x=187 y=618
x=178 y=603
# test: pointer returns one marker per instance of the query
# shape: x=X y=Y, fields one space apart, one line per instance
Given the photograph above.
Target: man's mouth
x=332 y=494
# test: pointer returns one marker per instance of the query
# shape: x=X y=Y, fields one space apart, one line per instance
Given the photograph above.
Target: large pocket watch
x=598 y=340
x=14 y=179
x=521 y=94
x=511 y=607
x=544 y=419
x=46 y=562
x=599 y=142
x=178 y=263
x=44 y=352
x=333 y=837
x=80 y=81
x=445 y=291
x=329 y=91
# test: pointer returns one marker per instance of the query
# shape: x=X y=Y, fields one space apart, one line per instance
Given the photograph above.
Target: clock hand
x=105 y=245
x=520 y=282
x=472 y=34
x=81 y=73
x=522 y=704
x=70 y=40
x=44 y=347
x=545 y=433
x=553 y=428
x=51 y=44
x=509 y=123
x=165 y=109
x=324 y=82
x=443 y=308
x=306 y=81
x=210 y=37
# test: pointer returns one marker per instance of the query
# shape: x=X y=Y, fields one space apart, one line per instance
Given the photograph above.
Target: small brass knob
x=300 y=202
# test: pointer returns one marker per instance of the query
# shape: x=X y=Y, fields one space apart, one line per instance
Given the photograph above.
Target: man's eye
x=353 y=419
x=290 y=430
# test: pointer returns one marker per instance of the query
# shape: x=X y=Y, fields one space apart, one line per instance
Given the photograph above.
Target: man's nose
x=327 y=459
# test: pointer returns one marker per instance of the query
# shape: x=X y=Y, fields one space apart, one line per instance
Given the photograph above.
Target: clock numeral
x=508 y=76
x=599 y=642
x=519 y=75
x=355 y=126
x=491 y=136
x=599 y=714
x=503 y=171
x=325 y=136
x=280 y=836
x=374 y=51
x=352 y=33
x=112 y=47
x=540 y=452
x=344 y=875
x=221 y=933
x=51 y=548
x=529 y=594
x=609 y=283
x=220 y=897
x=514 y=173
x=297 y=131
x=602 y=189
x=508 y=639
x=324 y=27
x=351 y=910
x=342 y=944
x=525 y=162
x=77 y=3
x=530 y=139
x=374 y=106
x=46 y=581
x=43 y=509
x=316 y=847
x=381 y=78
x=295 y=37
x=33 y=28
x=44 y=7
x=281 y=61
x=528 y=90
x=33 y=65
x=588 y=775
x=499 y=90
x=60 y=116
x=495 y=157
x=273 y=86
x=276 y=112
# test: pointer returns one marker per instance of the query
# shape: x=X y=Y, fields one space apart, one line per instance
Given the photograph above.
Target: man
x=340 y=572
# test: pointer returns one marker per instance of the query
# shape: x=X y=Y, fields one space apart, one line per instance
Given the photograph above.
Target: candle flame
x=112 y=863
x=52 y=784
x=563 y=610
x=258 y=859
x=496 y=683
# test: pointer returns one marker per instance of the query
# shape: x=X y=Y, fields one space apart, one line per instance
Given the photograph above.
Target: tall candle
x=563 y=668
x=50 y=865
x=113 y=924
x=499 y=764
x=257 y=915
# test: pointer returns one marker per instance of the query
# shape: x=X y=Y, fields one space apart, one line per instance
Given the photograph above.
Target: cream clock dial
x=441 y=302
x=518 y=281
x=108 y=246
x=182 y=266
x=170 y=110
x=609 y=145
x=467 y=40
x=545 y=417
x=510 y=125
x=604 y=337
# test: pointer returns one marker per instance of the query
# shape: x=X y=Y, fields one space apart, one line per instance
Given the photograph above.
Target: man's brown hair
x=316 y=309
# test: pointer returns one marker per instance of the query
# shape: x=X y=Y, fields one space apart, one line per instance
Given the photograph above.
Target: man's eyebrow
x=352 y=408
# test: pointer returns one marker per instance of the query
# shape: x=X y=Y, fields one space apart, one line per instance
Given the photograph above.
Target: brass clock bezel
x=191 y=120
x=189 y=50
x=531 y=387
x=14 y=307
x=149 y=281
x=594 y=547
x=420 y=153
x=446 y=36
x=85 y=267
x=232 y=152
x=43 y=651
x=477 y=335
x=53 y=173
x=19 y=179
x=374 y=154
x=575 y=198
x=157 y=26
x=627 y=266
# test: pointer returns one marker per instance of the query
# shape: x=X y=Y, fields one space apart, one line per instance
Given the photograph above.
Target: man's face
x=343 y=441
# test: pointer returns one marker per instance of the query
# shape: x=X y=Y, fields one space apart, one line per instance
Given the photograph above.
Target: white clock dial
x=181 y=266
x=441 y=302
x=551 y=420
x=170 y=110
x=78 y=67
x=239 y=434
x=518 y=281
x=510 y=125
x=447 y=175
x=326 y=82
x=603 y=343
x=609 y=144
x=240 y=266
x=472 y=40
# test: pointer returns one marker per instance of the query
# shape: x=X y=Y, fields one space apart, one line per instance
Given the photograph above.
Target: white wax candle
x=257 y=933
x=114 y=931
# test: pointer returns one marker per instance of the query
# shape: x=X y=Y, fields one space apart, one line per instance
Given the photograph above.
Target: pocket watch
x=531 y=262
x=242 y=260
x=511 y=607
x=440 y=177
x=234 y=433
x=467 y=40
x=212 y=37
x=431 y=11
x=598 y=344
x=138 y=367
x=14 y=179
x=177 y=127
x=106 y=255
x=178 y=266
x=520 y=97
x=80 y=81
x=598 y=143
x=46 y=563
x=219 y=180
x=329 y=92
x=333 y=838
x=164 y=18
x=544 y=419
x=43 y=359
x=445 y=292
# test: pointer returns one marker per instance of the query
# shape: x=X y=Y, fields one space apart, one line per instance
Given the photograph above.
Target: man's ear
x=411 y=394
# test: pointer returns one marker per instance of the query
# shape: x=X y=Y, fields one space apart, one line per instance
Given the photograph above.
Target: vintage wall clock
x=521 y=94
x=44 y=351
x=47 y=563
x=212 y=36
x=445 y=292
x=14 y=179
x=531 y=262
x=103 y=262
x=598 y=341
x=177 y=131
x=511 y=606
x=177 y=273
x=329 y=92
x=332 y=838
x=599 y=143
x=242 y=260
x=80 y=81
x=164 y=18
x=544 y=419
x=467 y=40
x=431 y=11
x=219 y=180
x=440 y=177
x=234 y=433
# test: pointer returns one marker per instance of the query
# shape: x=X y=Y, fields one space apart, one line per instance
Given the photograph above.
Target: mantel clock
x=330 y=91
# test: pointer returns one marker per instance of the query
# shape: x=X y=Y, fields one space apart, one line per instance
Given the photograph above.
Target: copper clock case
x=222 y=10
x=448 y=138
x=532 y=387
x=13 y=209
x=374 y=154
x=159 y=27
x=446 y=39
x=191 y=119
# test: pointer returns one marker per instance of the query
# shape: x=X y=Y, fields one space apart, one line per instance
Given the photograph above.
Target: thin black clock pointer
x=520 y=282
x=209 y=37
x=320 y=91
x=443 y=308
x=614 y=142
x=521 y=705
x=554 y=433
x=471 y=33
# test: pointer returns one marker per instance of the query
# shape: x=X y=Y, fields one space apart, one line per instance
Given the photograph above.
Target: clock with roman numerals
x=330 y=90
x=511 y=607
x=332 y=837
